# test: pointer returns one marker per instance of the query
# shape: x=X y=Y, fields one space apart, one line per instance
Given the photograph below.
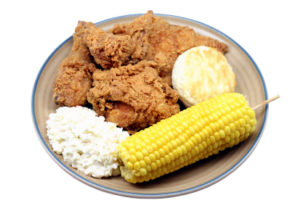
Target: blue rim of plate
x=151 y=195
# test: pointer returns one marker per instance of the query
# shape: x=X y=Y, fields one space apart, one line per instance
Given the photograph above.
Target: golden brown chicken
x=108 y=50
x=74 y=77
x=163 y=42
x=133 y=96
x=134 y=90
x=90 y=44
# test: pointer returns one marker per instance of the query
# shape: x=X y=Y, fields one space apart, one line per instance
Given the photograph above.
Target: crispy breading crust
x=135 y=89
x=133 y=96
x=108 y=50
x=74 y=79
x=164 y=42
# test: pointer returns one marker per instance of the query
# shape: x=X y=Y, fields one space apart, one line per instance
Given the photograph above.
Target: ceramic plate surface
x=197 y=176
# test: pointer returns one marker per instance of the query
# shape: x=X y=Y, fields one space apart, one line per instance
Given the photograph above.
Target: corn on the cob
x=191 y=135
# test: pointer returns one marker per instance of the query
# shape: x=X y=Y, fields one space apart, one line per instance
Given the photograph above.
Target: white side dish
x=86 y=141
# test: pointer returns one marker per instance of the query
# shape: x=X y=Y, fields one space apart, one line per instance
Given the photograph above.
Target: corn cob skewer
x=266 y=102
x=187 y=137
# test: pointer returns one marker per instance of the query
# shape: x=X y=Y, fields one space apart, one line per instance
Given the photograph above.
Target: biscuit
x=201 y=73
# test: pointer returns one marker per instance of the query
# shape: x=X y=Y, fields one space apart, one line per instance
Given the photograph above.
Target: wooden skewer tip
x=266 y=102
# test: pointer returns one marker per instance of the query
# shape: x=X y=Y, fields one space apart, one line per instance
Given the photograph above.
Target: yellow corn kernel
x=191 y=135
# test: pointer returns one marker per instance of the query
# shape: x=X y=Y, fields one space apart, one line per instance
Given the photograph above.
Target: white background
x=30 y=31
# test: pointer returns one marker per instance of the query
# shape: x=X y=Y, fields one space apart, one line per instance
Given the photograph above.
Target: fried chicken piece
x=108 y=50
x=74 y=77
x=164 y=42
x=133 y=96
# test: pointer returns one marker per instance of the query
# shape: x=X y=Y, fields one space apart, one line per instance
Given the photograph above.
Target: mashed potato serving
x=86 y=141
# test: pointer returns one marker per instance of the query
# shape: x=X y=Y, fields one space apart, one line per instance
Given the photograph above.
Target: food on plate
x=108 y=50
x=127 y=47
x=201 y=73
x=191 y=135
x=162 y=42
x=133 y=96
x=133 y=77
x=86 y=141
x=74 y=77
